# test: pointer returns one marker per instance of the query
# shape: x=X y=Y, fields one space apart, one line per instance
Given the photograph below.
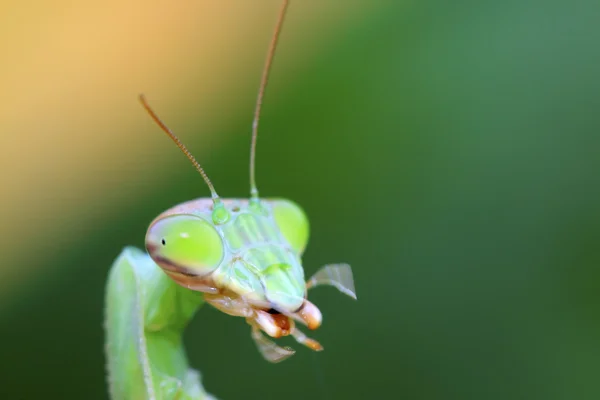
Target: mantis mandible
x=242 y=256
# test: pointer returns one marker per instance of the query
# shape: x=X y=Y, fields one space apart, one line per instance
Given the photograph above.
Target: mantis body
x=242 y=256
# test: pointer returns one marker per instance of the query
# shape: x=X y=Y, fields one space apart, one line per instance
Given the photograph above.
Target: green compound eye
x=292 y=223
x=185 y=242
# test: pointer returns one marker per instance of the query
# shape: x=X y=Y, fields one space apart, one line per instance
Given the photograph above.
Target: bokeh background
x=449 y=151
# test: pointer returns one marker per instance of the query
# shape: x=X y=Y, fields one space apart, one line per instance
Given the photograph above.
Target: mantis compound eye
x=292 y=223
x=186 y=244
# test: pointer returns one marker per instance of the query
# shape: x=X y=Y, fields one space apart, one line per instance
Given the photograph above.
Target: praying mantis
x=241 y=256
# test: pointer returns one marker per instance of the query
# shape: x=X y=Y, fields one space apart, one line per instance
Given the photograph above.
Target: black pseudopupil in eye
x=163 y=242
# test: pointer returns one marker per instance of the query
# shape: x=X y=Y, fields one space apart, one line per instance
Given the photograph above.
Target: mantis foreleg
x=146 y=313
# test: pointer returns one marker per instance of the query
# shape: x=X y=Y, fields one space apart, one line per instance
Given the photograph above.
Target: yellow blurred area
x=74 y=136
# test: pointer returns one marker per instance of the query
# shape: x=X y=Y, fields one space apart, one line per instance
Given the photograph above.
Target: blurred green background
x=449 y=151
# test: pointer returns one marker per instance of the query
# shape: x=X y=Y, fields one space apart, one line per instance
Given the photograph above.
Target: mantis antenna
x=261 y=92
x=214 y=195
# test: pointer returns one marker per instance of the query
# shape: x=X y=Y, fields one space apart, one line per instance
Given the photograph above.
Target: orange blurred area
x=74 y=137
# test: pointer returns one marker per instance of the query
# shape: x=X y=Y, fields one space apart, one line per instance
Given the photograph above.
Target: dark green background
x=449 y=151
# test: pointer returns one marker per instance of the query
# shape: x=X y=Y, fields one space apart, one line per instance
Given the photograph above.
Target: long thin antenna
x=261 y=92
x=181 y=146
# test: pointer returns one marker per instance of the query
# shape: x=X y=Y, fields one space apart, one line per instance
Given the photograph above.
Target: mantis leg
x=337 y=275
x=146 y=313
